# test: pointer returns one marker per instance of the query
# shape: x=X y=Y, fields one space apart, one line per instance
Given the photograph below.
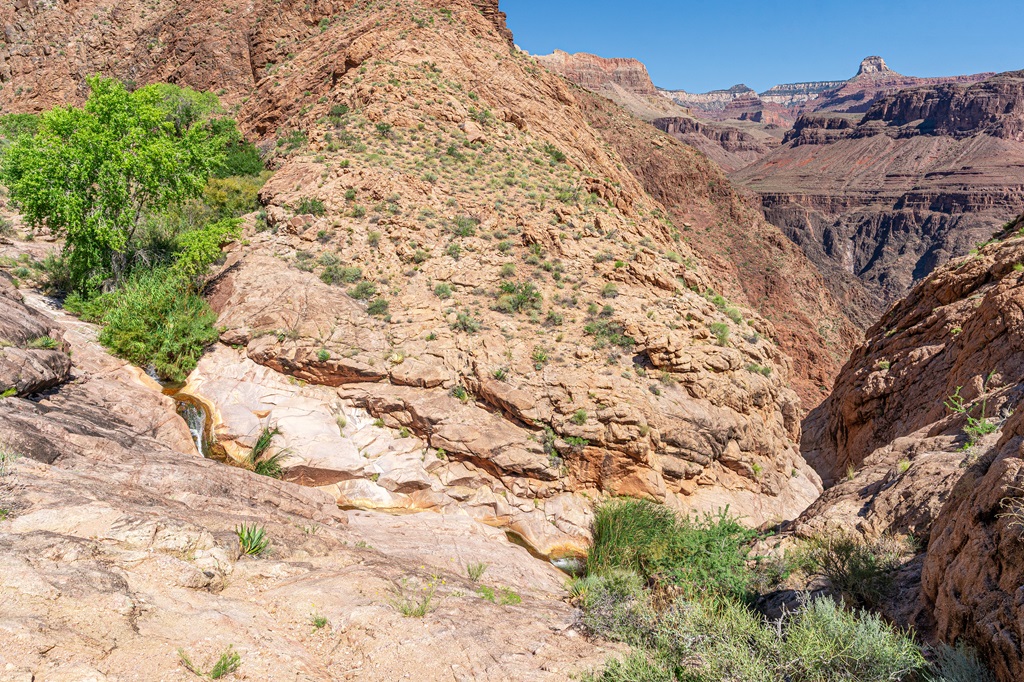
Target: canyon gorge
x=481 y=293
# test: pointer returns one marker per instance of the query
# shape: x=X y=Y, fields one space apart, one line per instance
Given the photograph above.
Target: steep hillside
x=750 y=259
x=922 y=436
x=889 y=195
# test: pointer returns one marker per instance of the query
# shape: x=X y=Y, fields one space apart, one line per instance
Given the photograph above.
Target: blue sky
x=699 y=46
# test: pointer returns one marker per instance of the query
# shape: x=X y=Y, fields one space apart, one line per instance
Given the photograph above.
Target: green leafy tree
x=92 y=174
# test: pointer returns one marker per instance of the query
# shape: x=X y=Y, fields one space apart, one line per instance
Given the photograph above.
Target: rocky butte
x=478 y=298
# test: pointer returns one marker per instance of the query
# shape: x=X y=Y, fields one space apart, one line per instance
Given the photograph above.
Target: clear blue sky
x=699 y=46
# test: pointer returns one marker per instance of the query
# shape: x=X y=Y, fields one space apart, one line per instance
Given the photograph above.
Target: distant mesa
x=872 y=65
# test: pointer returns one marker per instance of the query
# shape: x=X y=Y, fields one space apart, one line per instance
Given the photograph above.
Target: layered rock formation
x=119 y=557
x=888 y=196
x=623 y=81
x=922 y=436
x=731 y=148
x=595 y=73
x=783 y=104
x=536 y=317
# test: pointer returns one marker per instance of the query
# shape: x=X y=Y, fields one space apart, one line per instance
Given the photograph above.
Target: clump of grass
x=720 y=330
x=413 y=603
x=252 y=540
x=43 y=342
x=474 y=571
x=861 y=572
x=318 y=621
x=262 y=463
x=229 y=662
x=695 y=554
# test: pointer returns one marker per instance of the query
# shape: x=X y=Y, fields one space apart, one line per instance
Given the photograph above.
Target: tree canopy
x=92 y=174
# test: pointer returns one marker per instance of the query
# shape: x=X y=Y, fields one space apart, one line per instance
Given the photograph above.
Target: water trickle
x=195 y=416
x=193 y=412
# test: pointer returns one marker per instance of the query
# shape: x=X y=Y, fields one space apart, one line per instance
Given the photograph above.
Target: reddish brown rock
x=902 y=462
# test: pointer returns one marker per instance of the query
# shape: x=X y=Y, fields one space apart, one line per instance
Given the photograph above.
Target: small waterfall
x=193 y=412
x=195 y=416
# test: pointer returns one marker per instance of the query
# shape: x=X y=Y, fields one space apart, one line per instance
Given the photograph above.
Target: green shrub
x=153 y=320
x=241 y=158
x=959 y=664
x=378 y=306
x=826 y=642
x=694 y=554
x=363 y=291
x=465 y=322
x=556 y=155
x=443 y=291
x=235 y=196
x=308 y=205
x=518 y=297
x=860 y=571
x=720 y=330
x=605 y=332
x=464 y=226
x=335 y=274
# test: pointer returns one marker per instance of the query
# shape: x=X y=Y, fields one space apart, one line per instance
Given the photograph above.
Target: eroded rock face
x=118 y=549
x=595 y=73
x=31 y=355
x=901 y=461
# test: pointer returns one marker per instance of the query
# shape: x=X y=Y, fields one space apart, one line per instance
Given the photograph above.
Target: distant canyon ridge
x=879 y=178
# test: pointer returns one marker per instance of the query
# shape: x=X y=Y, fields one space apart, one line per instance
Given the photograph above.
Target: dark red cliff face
x=879 y=200
x=994 y=107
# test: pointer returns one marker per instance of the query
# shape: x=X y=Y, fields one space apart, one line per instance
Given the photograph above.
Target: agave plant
x=252 y=540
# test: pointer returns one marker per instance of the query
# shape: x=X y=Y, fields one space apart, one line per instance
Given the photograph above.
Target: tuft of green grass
x=694 y=554
x=43 y=342
x=413 y=603
x=262 y=463
x=252 y=540
x=474 y=571
x=229 y=662
x=318 y=621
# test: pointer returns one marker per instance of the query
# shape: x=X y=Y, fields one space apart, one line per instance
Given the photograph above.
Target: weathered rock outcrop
x=889 y=196
x=596 y=73
x=904 y=458
x=782 y=104
x=31 y=356
x=118 y=551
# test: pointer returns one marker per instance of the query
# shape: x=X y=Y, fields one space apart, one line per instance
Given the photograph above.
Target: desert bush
x=858 y=570
x=691 y=553
x=958 y=664
x=518 y=297
x=152 y=320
